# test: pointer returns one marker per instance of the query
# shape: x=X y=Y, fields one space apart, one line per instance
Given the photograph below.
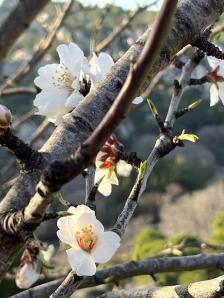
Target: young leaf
x=152 y=107
x=195 y=104
x=188 y=137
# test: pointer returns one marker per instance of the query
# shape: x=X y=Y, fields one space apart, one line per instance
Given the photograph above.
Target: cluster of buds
x=5 y=118
x=108 y=163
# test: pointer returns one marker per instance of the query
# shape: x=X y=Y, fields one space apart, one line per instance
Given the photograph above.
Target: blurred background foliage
x=186 y=188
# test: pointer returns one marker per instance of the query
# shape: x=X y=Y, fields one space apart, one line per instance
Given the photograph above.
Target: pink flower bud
x=28 y=271
x=5 y=117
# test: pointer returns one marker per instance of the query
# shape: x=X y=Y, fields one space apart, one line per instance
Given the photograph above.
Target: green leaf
x=152 y=107
x=195 y=104
x=188 y=137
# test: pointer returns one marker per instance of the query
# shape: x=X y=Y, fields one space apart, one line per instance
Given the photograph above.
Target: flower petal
x=73 y=100
x=113 y=178
x=214 y=95
x=87 y=219
x=105 y=187
x=81 y=262
x=99 y=174
x=67 y=228
x=105 y=247
x=123 y=168
x=46 y=78
x=100 y=65
x=213 y=62
x=137 y=100
x=221 y=91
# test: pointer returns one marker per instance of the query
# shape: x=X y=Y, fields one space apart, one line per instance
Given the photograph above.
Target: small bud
x=5 y=117
x=28 y=271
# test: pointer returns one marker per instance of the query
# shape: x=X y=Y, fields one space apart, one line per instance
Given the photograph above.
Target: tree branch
x=212 y=288
x=130 y=269
x=17 y=22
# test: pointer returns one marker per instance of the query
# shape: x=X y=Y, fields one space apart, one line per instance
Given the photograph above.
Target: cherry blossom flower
x=88 y=242
x=28 y=271
x=60 y=83
x=65 y=84
x=217 y=78
x=5 y=117
x=108 y=162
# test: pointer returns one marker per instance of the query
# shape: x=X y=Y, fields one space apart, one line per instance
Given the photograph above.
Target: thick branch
x=17 y=22
x=130 y=269
x=213 y=288
x=27 y=157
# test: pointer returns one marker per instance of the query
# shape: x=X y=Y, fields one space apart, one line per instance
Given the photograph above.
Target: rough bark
x=213 y=288
x=191 y=19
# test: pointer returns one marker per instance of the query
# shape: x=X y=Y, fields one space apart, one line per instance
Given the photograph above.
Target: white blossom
x=5 y=117
x=88 y=242
x=106 y=176
x=123 y=168
x=60 y=83
x=217 y=74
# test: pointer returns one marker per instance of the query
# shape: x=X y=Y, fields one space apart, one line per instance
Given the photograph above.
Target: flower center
x=63 y=78
x=86 y=238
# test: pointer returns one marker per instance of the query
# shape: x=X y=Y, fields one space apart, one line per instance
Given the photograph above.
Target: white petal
x=51 y=103
x=72 y=210
x=66 y=238
x=113 y=178
x=105 y=187
x=123 y=168
x=99 y=66
x=46 y=76
x=26 y=276
x=84 y=209
x=137 y=100
x=99 y=174
x=81 y=262
x=73 y=100
x=86 y=219
x=105 y=62
x=213 y=62
x=221 y=91
x=214 y=95
x=67 y=229
x=63 y=53
x=105 y=247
